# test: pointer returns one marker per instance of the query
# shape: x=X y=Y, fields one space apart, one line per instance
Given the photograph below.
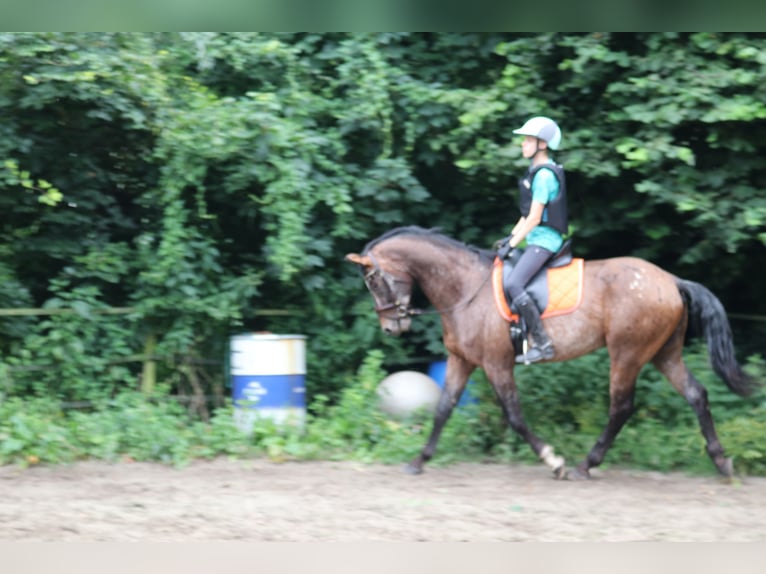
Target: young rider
x=543 y=223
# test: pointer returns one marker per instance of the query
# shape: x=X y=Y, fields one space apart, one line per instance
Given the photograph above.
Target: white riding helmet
x=543 y=128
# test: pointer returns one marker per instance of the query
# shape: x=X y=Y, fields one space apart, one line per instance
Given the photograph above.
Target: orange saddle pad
x=565 y=288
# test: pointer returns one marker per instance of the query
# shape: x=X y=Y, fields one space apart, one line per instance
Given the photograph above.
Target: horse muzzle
x=395 y=318
x=395 y=326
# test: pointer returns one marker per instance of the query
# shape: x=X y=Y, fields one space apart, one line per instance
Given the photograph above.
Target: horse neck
x=445 y=274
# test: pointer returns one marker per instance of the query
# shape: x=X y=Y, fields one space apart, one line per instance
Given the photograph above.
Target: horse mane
x=433 y=235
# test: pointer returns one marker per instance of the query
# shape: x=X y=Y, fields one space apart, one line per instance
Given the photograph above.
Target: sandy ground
x=257 y=500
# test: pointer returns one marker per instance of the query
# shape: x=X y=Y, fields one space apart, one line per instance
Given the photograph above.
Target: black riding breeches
x=531 y=262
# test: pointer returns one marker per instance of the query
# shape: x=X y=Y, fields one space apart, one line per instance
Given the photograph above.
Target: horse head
x=391 y=293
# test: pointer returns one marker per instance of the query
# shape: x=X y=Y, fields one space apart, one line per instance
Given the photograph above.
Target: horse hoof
x=726 y=468
x=578 y=474
x=413 y=469
x=560 y=473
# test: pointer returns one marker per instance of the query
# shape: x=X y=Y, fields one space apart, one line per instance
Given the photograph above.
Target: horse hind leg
x=622 y=389
x=669 y=362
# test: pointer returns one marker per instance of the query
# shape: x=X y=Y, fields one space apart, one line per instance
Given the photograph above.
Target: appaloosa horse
x=639 y=311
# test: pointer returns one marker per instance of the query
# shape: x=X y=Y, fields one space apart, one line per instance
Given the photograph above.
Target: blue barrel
x=268 y=378
x=438 y=371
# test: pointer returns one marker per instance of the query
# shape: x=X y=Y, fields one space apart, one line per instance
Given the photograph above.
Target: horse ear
x=359 y=259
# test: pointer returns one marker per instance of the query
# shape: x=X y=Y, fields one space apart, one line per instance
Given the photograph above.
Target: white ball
x=406 y=392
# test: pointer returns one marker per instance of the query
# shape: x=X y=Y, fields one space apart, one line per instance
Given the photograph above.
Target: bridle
x=403 y=310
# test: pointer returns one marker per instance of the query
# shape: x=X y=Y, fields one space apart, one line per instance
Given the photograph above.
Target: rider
x=543 y=224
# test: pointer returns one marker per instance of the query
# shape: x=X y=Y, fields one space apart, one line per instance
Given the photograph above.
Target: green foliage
x=13 y=294
x=219 y=436
x=744 y=439
x=185 y=293
x=567 y=403
x=32 y=432
x=202 y=179
x=13 y=176
x=133 y=426
x=73 y=356
x=355 y=427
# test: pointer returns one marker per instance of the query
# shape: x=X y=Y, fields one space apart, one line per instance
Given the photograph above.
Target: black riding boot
x=541 y=348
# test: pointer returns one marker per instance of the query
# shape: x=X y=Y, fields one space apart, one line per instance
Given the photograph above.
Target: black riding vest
x=555 y=212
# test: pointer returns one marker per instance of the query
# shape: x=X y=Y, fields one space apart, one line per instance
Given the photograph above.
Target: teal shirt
x=545 y=188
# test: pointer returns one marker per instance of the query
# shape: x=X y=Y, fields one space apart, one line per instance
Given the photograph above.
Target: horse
x=639 y=311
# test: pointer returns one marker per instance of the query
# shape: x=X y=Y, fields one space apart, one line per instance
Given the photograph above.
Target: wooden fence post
x=149 y=374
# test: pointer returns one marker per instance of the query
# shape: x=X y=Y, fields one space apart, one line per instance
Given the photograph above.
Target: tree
x=200 y=178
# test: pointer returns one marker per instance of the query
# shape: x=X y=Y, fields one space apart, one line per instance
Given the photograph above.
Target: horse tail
x=707 y=317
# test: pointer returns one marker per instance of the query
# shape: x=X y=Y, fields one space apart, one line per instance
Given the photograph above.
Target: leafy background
x=201 y=181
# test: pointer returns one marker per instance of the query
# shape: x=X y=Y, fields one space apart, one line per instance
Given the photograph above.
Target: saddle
x=556 y=289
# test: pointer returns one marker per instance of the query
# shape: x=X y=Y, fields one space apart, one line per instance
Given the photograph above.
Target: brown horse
x=639 y=311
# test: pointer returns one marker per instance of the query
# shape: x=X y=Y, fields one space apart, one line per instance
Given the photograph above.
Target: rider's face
x=530 y=145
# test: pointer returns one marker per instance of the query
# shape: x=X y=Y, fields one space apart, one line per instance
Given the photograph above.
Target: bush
x=134 y=427
x=565 y=404
x=743 y=438
x=34 y=431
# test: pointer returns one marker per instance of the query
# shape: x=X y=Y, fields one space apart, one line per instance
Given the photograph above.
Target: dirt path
x=256 y=500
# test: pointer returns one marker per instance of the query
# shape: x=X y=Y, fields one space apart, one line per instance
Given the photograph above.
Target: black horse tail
x=707 y=317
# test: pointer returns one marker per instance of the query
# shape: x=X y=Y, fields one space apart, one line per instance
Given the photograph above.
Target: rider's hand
x=503 y=247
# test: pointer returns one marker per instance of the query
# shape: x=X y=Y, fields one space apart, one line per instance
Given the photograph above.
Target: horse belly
x=576 y=334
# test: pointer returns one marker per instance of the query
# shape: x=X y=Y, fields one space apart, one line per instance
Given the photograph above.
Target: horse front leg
x=455 y=380
x=508 y=396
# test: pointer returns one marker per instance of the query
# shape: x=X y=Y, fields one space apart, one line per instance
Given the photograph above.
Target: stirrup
x=536 y=354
